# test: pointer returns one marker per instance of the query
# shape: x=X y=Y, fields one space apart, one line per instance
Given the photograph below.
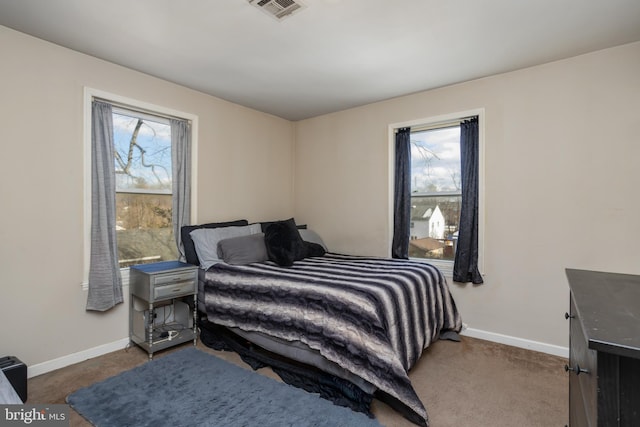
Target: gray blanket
x=372 y=316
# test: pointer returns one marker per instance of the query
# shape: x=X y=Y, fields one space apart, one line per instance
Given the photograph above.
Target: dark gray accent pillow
x=283 y=241
x=243 y=250
x=285 y=245
x=265 y=224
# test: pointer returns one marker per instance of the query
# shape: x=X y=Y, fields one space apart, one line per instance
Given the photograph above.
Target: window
x=142 y=148
x=143 y=167
x=435 y=192
x=435 y=188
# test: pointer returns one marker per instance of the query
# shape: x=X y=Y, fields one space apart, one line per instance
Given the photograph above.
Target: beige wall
x=244 y=169
x=561 y=147
x=561 y=182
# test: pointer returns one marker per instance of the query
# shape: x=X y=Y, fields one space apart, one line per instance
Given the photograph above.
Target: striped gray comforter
x=372 y=316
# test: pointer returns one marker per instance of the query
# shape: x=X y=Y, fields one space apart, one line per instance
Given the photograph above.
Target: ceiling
x=332 y=54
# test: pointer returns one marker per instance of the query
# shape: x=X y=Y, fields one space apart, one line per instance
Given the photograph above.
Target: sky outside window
x=150 y=165
x=435 y=160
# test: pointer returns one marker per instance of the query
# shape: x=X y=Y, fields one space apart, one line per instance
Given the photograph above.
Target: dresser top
x=164 y=266
x=608 y=305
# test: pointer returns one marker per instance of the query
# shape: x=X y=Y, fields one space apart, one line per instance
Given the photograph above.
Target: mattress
x=370 y=318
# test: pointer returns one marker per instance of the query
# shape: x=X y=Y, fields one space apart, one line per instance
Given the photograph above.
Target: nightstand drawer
x=174 y=289
x=163 y=279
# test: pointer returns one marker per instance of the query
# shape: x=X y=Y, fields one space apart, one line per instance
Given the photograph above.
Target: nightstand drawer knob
x=578 y=370
x=569 y=316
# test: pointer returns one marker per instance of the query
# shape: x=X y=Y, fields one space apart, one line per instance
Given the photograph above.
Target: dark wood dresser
x=604 y=349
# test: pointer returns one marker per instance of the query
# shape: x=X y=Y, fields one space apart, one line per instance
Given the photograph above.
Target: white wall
x=244 y=169
x=562 y=178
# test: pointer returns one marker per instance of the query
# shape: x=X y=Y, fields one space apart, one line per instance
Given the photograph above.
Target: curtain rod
x=437 y=125
x=136 y=109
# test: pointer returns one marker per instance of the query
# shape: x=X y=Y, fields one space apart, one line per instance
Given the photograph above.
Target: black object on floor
x=16 y=373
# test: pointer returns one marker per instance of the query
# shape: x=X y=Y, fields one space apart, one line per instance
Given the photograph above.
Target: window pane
x=143 y=154
x=143 y=228
x=143 y=190
x=436 y=195
x=435 y=160
x=434 y=226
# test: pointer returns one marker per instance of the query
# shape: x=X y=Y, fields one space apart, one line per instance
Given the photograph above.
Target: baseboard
x=70 y=359
x=61 y=362
x=555 y=350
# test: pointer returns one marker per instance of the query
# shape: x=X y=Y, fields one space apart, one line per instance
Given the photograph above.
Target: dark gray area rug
x=192 y=388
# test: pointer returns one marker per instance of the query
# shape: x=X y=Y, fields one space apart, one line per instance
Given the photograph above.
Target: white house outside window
x=436 y=195
x=435 y=192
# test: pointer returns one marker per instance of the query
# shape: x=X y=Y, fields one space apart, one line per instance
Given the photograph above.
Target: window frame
x=446 y=266
x=137 y=106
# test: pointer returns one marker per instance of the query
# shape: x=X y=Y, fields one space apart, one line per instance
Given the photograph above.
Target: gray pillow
x=206 y=241
x=243 y=250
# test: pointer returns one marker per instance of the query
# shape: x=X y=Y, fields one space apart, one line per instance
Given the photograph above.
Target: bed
x=347 y=327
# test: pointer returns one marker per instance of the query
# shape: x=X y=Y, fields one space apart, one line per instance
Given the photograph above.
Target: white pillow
x=313 y=237
x=206 y=241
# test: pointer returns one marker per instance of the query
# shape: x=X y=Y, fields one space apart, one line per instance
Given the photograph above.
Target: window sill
x=446 y=267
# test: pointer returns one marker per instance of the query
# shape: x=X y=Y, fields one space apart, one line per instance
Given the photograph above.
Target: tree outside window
x=143 y=188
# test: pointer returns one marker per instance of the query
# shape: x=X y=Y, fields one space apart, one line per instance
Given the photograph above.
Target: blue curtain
x=105 y=283
x=465 y=267
x=402 y=195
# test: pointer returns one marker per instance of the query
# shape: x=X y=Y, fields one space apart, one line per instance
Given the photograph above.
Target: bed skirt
x=309 y=378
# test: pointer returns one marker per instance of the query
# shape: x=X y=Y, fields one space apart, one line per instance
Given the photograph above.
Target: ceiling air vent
x=279 y=9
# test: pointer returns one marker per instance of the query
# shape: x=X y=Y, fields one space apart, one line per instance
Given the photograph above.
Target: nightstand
x=163 y=304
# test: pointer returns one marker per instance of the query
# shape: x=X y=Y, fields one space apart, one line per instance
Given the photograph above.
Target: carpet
x=192 y=388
